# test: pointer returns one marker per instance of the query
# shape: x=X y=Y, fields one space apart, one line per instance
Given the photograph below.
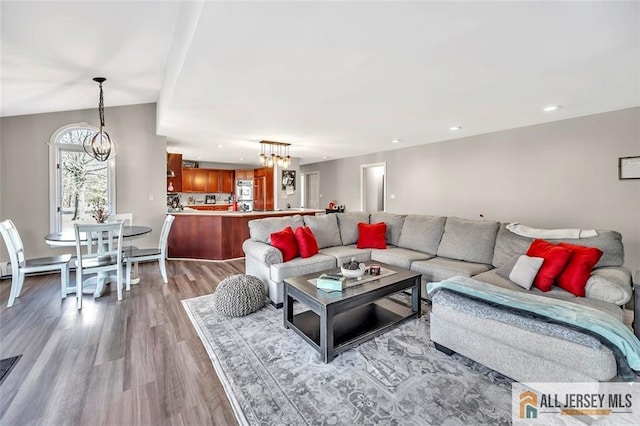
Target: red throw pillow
x=575 y=275
x=555 y=258
x=372 y=235
x=306 y=242
x=285 y=241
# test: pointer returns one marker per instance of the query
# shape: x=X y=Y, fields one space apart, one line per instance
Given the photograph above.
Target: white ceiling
x=335 y=79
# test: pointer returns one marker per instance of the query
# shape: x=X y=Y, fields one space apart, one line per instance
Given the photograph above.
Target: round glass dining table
x=68 y=239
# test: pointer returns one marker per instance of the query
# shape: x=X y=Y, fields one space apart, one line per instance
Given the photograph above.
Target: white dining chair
x=127 y=218
x=103 y=242
x=159 y=253
x=20 y=266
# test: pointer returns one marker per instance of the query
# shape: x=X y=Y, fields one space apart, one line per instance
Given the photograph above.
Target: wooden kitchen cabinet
x=207 y=180
x=215 y=207
x=200 y=178
x=263 y=189
x=187 y=180
x=244 y=174
x=227 y=182
x=174 y=163
x=213 y=180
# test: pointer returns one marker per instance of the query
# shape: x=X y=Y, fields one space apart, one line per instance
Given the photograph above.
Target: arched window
x=77 y=182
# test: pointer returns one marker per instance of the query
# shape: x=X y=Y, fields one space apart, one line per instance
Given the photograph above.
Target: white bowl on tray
x=354 y=273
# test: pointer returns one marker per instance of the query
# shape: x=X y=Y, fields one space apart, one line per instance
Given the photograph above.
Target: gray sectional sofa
x=438 y=247
x=443 y=247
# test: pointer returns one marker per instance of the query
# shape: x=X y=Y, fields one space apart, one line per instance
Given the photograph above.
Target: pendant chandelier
x=100 y=145
x=274 y=154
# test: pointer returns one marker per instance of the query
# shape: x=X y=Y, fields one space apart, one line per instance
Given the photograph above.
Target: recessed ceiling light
x=325 y=157
x=453 y=128
x=220 y=145
x=241 y=159
x=395 y=141
x=199 y=157
x=551 y=108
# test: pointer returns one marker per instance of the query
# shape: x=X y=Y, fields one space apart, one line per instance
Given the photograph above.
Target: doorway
x=311 y=188
x=373 y=187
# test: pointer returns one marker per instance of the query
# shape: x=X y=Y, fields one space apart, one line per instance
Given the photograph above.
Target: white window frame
x=55 y=174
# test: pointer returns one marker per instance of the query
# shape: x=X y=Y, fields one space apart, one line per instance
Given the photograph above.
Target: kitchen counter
x=253 y=214
x=216 y=235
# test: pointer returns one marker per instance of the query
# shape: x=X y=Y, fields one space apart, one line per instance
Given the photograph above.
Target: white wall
x=552 y=175
x=24 y=170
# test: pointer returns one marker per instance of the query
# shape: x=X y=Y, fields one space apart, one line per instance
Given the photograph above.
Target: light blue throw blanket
x=585 y=317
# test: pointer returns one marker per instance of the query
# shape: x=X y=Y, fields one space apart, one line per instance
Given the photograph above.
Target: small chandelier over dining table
x=100 y=145
x=274 y=154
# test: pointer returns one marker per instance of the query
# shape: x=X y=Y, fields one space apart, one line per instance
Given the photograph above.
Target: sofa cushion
x=345 y=253
x=306 y=241
x=492 y=277
x=522 y=270
x=301 y=266
x=398 y=256
x=325 y=229
x=509 y=244
x=575 y=274
x=470 y=240
x=348 y=225
x=261 y=229
x=442 y=268
x=372 y=235
x=394 y=225
x=422 y=232
x=555 y=259
x=285 y=241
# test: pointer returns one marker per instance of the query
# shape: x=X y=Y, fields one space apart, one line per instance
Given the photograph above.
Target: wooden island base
x=216 y=235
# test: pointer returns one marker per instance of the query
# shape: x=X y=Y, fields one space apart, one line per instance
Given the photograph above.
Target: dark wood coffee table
x=338 y=321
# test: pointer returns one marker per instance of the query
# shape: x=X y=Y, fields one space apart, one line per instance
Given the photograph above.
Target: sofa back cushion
x=348 y=225
x=325 y=229
x=394 y=224
x=509 y=244
x=468 y=240
x=261 y=229
x=422 y=232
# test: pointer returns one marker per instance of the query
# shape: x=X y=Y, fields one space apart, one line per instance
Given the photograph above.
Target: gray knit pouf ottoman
x=239 y=295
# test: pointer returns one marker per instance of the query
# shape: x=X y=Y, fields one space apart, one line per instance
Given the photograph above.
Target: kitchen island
x=216 y=235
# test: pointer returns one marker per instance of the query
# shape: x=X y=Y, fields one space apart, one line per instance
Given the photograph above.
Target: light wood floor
x=134 y=362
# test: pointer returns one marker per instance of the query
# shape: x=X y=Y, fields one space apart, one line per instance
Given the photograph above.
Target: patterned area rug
x=272 y=377
x=6 y=365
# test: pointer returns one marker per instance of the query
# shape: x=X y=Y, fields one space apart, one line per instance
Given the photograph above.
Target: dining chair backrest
x=164 y=234
x=13 y=242
x=127 y=218
x=106 y=237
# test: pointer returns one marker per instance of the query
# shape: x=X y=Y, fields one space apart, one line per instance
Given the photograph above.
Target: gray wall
x=281 y=199
x=562 y=174
x=24 y=170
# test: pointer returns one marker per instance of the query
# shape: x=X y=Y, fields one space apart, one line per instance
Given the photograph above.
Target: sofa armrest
x=263 y=252
x=610 y=284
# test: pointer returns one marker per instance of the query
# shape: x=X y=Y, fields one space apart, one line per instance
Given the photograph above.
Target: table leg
x=135 y=278
x=416 y=304
x=287 y=307
x=326 y=336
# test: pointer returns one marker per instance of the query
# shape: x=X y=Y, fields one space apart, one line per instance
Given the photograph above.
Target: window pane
x=74 y=137
x=84 y=183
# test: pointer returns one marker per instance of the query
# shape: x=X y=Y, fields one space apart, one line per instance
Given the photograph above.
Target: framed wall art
x=629 y=167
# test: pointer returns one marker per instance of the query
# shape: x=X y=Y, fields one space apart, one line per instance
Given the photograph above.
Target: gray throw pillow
x=325 y=229
x=521 y=270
